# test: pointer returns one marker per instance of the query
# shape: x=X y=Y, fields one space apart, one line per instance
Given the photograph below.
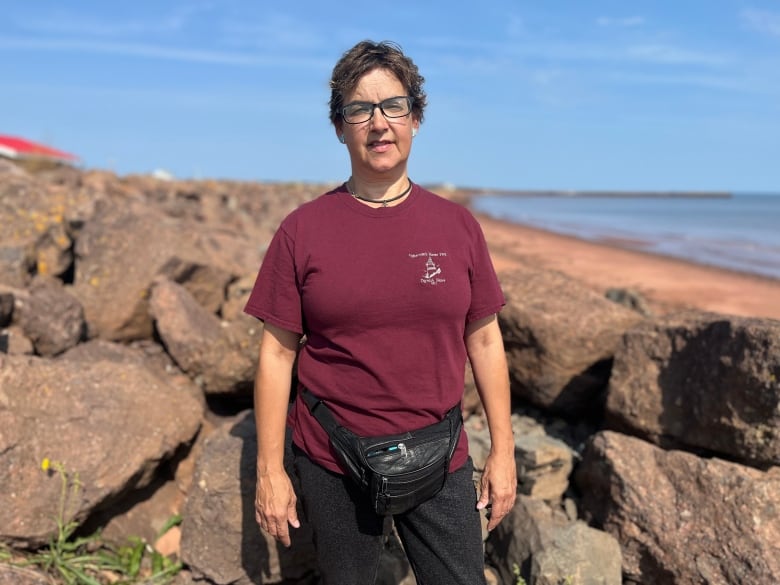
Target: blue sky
x=570 y=94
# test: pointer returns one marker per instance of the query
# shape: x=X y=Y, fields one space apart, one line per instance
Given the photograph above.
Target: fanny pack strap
x=320 y=411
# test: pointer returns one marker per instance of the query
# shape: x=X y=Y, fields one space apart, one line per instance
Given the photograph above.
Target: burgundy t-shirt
x=383 y=296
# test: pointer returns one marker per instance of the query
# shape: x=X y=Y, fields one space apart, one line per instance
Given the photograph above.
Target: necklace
x=384 y=202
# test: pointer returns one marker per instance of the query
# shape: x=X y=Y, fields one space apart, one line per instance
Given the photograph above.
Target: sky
x=561 y=94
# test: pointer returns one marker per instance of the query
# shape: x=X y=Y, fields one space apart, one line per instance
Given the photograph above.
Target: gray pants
x=442 y=537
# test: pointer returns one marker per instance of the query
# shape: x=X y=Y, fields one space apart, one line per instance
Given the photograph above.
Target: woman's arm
x=485 y=348
x=275 y=499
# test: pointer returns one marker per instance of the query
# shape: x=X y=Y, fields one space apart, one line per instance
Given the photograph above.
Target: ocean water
x=740 y=232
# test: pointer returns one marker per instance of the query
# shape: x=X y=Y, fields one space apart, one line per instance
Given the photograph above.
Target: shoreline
x=736 y=235
x=668 y=283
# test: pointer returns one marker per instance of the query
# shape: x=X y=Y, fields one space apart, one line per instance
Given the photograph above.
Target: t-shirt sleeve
x=275 y=297
x=487 y=298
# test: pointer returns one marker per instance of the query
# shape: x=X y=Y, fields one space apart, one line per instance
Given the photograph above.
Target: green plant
x=63 y=556
x=518 y=577
x=5 y=553
x=137 y=560
x=90 y=561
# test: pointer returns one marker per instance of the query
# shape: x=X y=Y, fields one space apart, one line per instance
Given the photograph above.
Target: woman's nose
x=378 y=120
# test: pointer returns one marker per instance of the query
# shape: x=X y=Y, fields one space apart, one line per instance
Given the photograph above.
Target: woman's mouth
x=379 y=145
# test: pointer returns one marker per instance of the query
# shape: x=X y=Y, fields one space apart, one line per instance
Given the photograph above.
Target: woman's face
x=379 y=147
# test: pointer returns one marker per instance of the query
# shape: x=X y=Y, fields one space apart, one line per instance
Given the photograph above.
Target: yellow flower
x=45 y=464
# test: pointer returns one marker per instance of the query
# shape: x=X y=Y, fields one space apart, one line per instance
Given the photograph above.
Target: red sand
x=667 y=283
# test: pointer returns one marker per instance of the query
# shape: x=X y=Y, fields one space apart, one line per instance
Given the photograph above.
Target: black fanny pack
x=397 y=471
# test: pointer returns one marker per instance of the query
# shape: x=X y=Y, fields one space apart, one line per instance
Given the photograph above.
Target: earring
x=342 y=139
x=414 y=132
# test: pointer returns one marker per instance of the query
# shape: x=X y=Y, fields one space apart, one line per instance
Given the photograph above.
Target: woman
x=393 y=288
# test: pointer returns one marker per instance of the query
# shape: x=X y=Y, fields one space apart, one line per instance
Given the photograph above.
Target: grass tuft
x=89 y=560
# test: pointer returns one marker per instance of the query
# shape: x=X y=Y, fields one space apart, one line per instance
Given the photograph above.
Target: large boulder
x=702 y=381
x=146 y=513
x=146 y=354
x=106 y=426
x=206 y=283
x=680 y=518
x=191 y=233
x=42 y=215
x=543 y=466
x=221 y=541
x=220 y=356
x=542 y=545
x=560 y=338
x=49 y=316
x=28 y=216
x=118 y=255
x=543 y=462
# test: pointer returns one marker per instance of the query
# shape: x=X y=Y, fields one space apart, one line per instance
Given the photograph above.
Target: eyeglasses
x=394 y=107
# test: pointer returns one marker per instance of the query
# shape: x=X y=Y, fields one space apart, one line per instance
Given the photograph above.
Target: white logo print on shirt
x=432 y=273
x=431 y=269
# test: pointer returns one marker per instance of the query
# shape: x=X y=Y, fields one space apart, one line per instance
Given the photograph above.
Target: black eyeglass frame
x=376 y=105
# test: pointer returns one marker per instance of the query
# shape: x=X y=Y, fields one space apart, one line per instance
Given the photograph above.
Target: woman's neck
x=377 y=190
x=385 y=201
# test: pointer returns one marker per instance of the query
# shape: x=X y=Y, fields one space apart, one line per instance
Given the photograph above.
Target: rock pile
x=647 y=446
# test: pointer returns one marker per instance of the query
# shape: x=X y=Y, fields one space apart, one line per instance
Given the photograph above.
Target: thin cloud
x=90 y=27
x=204 y=99
x=726 y=83
x=276 y=30
x=475 y=53
x=763 y=21
x=668 y=54
x=151 y=51
x=543 y=77
x=515 y=26
x=62 y=23
x=624 y=22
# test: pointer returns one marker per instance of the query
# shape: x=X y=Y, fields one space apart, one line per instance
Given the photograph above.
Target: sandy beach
x=666 y=283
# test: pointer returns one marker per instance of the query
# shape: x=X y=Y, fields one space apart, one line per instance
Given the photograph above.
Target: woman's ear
x=340 y=134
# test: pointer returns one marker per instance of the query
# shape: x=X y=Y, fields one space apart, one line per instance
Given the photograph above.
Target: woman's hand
x=498 y=487
x=275 y=502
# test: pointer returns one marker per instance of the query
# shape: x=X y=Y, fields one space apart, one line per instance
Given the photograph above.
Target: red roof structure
x=19 y=148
